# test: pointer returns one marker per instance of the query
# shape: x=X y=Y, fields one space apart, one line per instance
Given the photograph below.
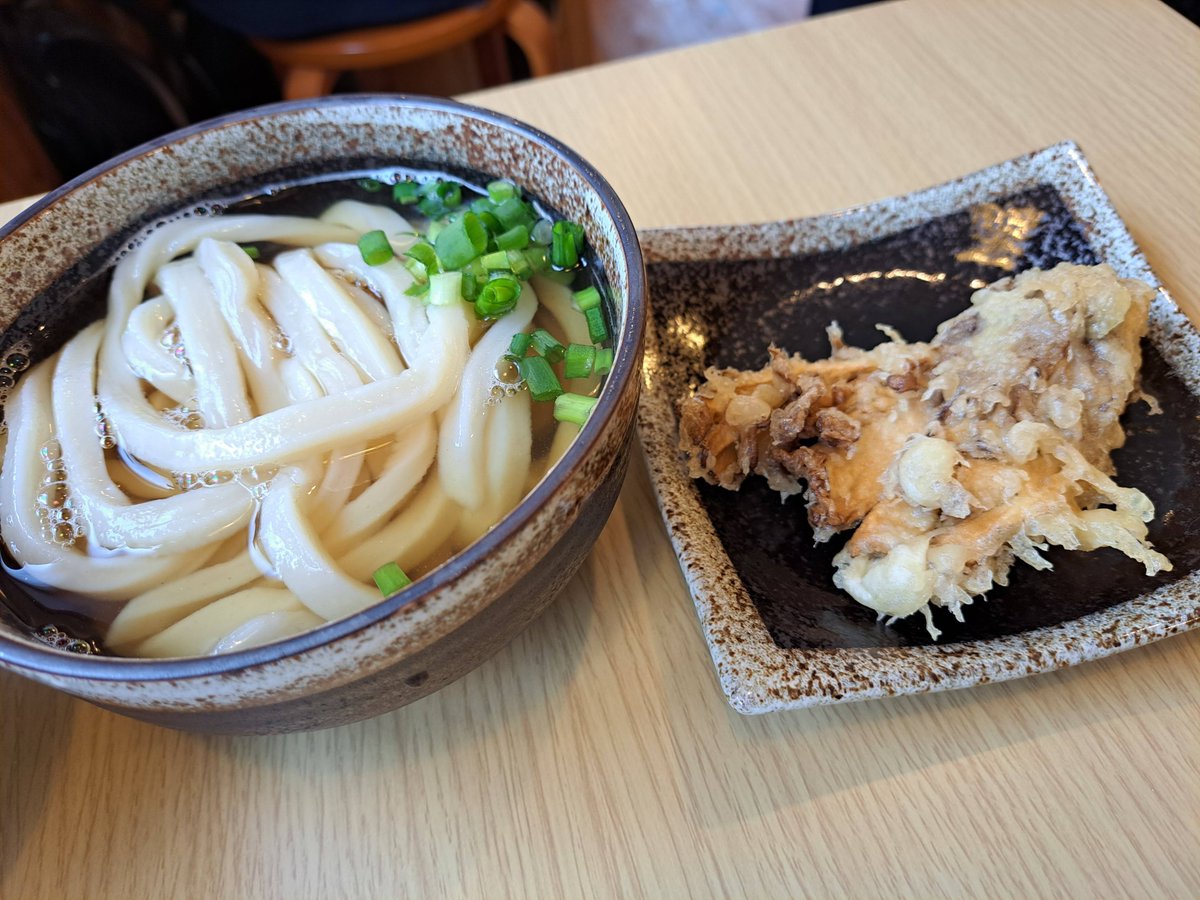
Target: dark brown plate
x=781 y=633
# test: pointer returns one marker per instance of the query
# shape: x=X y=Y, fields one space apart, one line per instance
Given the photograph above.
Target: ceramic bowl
x=464 y=611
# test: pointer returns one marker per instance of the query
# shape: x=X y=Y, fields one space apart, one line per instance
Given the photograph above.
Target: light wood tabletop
x=596 y=755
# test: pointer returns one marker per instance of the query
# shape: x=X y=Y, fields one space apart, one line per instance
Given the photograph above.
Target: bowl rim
x=19 y=656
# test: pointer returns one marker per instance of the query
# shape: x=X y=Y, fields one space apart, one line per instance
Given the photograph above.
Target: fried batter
x=954 y=457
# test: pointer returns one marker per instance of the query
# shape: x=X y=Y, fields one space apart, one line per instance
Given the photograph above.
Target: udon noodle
x=233 y=451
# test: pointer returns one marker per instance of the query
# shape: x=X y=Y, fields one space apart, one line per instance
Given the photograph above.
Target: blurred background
x=83 y=80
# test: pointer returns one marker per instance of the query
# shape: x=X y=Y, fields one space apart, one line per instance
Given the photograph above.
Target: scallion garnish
x=543 y=383
x=501 y=190
x=597 y=330
x=578 y=360
x=445 y=288
x=470 y=289
x=371 y=185
x=537 y=257
x=390 y=578
x=516 y=238
x=497 y=297
x=496 y=261
x=439 y=197
x=573 y=408
x=514 y=211
x=604 y=361
x=375 y=248
x=566 y=242
x=542 y=232
x=548 y=345
x=490 y=222
x=519 y=264
x=588 y=298
x=423 y=253
x=406 y=193
x=461 y=241
x=520 y=344
x=252 y=251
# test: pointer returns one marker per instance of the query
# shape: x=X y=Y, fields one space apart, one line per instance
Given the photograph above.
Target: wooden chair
x=309 y=68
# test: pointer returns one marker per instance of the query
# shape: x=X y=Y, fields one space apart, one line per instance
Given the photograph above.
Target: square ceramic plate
x=781 y=635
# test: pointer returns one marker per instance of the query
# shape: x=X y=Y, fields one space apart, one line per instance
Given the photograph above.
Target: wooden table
x=596 y=756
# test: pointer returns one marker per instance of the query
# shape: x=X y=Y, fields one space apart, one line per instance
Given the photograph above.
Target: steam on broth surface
x=284 y=418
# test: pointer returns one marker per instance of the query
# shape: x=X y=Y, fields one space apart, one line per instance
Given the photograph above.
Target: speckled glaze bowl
x=404 y=647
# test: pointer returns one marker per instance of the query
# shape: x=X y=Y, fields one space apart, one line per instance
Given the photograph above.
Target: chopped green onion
x=516 y=238
x=490 y=222
x=543 y=383
x=470 y=289
x=497 y=297
x=390 y=578
x=514 y=212
x=565 y=244
x=445 y=288
x=475 y=269
x=519 y=264
x=573 y=408
x=537 y=257
x=502 y=190
x=424 y=253
x=461 y=241
x=417 y=288
x=597 y=330
x=406 y=193
x=481 y=205
x=439 y=197
x=548 y=345
x=252 y=251
x=375 y=248
x=578 y=360
x=604 y=361
x=520 y=344
x=496 y=261
x=542 y=232
x=371 y=185
x=587 y=299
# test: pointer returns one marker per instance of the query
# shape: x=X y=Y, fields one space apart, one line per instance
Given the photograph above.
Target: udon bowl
x=454 y=618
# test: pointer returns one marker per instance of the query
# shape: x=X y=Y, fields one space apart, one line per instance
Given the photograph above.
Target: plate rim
x=755 y=673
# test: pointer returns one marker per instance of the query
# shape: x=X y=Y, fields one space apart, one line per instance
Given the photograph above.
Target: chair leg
x=300 y=83
x=492 y=58
x=530 y=28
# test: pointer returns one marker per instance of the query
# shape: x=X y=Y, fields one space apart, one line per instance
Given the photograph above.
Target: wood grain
x=596 y=756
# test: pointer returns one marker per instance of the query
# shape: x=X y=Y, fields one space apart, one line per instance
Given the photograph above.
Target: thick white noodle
x=363 y=217
x=200 y=632
x=303 y=429
x=509 y=450
x=289 y=540
x=27 y=416
x=148 y=358
x=327 y=298
x=410 y=460
x=234 y=278
x=163 y=606
x=311 y=345
x=180 y=522
x=462 y=438
x=212 y=355
x=409 y=539
x=389 y=281
x=267 y=627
